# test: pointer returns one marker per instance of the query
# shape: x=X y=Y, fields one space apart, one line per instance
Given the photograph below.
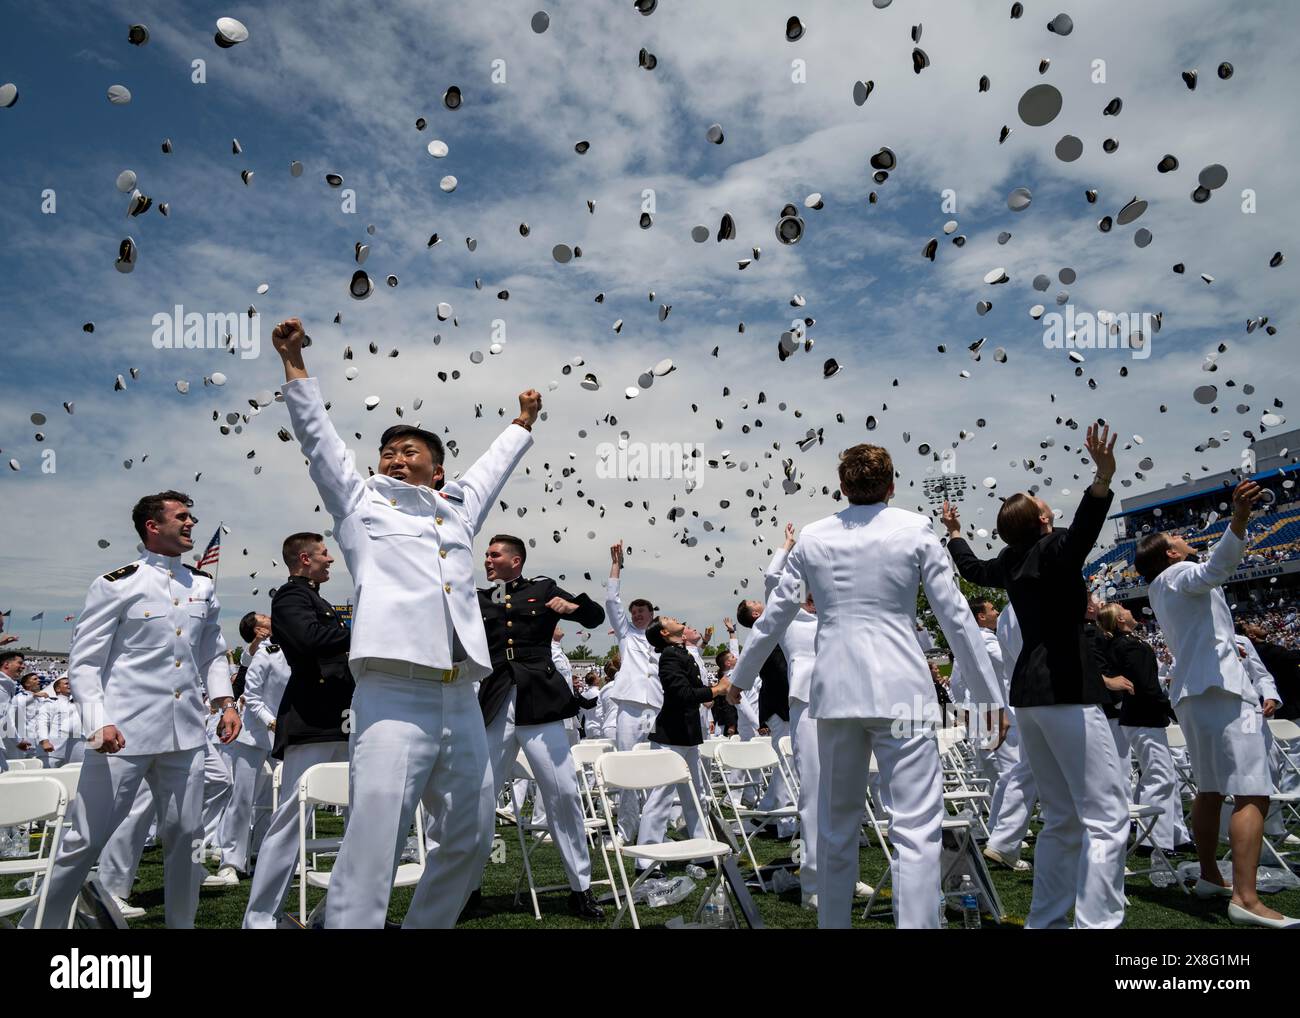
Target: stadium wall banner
x=344 y=612
x=1240 y=576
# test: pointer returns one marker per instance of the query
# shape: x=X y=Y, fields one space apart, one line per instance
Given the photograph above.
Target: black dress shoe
x=1186 y=848
x=583 y=905
x=473 y=907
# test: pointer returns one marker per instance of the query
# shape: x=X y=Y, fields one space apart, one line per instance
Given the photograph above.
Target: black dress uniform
x=519 y=628
x=524 y=703
x=315 y=643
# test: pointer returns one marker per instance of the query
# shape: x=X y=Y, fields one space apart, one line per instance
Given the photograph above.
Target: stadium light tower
x=945 y=488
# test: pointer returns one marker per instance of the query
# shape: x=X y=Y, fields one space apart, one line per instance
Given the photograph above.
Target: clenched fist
x=288 y=337
x=530 y=404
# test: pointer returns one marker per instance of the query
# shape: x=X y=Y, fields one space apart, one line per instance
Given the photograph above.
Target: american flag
x=212 y=553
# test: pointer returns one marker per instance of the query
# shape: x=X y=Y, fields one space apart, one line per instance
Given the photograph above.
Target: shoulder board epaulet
x=451 y=496
x=540 y=579
x=197 y=572
x=117 y=574
x=271 y=648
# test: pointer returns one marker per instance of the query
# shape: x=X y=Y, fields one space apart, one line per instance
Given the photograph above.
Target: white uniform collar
x=171 y=562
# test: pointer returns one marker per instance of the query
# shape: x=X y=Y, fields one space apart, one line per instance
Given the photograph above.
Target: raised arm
x=777 y=565
x=1202 y=577
x=779 y=610
x=957 y=622
x=613 y=596
x=480 y=485
x=985 y=572
x=330 y=465
x=1090 y=517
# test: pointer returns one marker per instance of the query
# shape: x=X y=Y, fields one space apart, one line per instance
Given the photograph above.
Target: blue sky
x=340 y=87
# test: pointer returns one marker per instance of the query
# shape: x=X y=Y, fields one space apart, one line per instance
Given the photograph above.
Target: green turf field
x=1149 y=907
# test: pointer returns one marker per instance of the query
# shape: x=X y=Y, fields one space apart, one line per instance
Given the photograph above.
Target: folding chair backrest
x=709 y=748
x=25 y=798
x=325 y=783
x=25 y=763
x=1177 y=740
x=747 y=756
x=642 y=769
x=68 y=776
x=949 y=737
x=1283 y=729
x=786 y=745
x=587 y=753
x=761 y=739
x=642 y=747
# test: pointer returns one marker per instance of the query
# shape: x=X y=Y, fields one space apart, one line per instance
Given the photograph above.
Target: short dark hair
x=31 y=675
x=720 y=657
x=515 y=543
x=743 y=615
x=247 y=627
x=432 y=441
x=640 y=602
x=866 y=473
x=654 y=634
x=611 y=669
x=297 y=543
x=9 y=655
x=977 y=605
x=151 y=508
x=1018 y=520
x=1150 y=557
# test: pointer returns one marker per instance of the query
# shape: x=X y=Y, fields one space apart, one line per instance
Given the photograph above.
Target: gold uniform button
x=392 y=501
x=175 y=600
x=509 y=623
x=178 y=631
x=510 y=641
x=438 y=520
x=447 y=587
x=146 y=614
x=178 y=662
x=442 y=552
x=178 y=694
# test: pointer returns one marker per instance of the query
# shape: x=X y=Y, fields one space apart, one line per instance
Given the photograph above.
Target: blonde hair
x=1108 y=618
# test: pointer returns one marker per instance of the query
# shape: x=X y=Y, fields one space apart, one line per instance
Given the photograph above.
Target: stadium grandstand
x=1200 y=508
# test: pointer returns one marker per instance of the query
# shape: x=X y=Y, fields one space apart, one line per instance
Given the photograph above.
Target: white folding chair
x=643 y=772
x=757 y=761
x=30 y=799
x=785 y=747
x=585 y=755
x=326 y=784
x=276 y=775
x=1186 y=780
x=25 y=763
x=1144 y=817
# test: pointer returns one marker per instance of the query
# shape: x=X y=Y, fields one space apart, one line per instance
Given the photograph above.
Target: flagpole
x=39 y=633
x=216 y=571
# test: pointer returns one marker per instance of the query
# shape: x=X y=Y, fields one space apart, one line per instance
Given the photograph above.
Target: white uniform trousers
x=217 y=786
x=67 y=753
x=120 y=858
x=105 y=794
x=412 y=740
x=1159 y=785
x=911 y=792
x=248 y=783
x=777 y=793
x=278 y=857
x=1014 y=796
x=1125 y=751
x=546 y=747
x=1079 y=856
x=635 y=722
x=659 y=804
x=808 y=769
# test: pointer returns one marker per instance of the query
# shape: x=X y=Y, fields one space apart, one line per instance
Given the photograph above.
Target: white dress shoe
x=810 y=902
x=1205 y=889
x=1244 y=917
x=226 y=876
x=1017 y=865
x=128 y=910
x=861 y=890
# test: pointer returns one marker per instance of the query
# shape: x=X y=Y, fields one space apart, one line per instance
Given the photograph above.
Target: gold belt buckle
x=449 y=674
x=510 y=653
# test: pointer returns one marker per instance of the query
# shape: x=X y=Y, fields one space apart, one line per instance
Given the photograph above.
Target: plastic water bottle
x=696 y=873
x=718 y=901
x=970 y=904
x=943 y=911
x=709 y=915
x=679 y=889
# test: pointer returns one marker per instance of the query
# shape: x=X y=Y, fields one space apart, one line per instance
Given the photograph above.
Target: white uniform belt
x=407 y=670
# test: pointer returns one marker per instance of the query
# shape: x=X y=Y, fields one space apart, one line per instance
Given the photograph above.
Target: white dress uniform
x=871 y=691
x=1015 y=794
x=264 y=682
x=1266 y=689
x=747 y=725
x=607 y=712
x=27 y=708
x=147 y=639
x=7 y=742
x=1213 y=696
x=636 y=691
x=60 y=725
x=418 y=645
